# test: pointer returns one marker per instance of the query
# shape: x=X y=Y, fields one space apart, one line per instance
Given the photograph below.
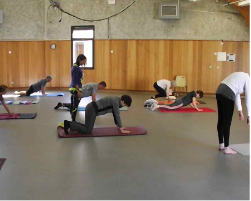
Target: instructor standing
x=228 y=93
x=76 y=85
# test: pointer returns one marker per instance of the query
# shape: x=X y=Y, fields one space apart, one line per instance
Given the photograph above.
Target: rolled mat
x=186 y=110
x=103 y=132
x=2 y=160
x=6 y=116
x=47 y=95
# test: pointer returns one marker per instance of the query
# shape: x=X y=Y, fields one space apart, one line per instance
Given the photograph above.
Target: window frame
x=84 y=27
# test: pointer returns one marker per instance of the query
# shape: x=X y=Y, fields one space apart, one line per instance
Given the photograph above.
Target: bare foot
x=228 y=150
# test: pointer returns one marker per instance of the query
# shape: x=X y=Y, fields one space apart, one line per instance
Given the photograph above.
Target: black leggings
x=90 y=118
x=161 y=92
x=75 y=100
x=225 y=115
x=30 y=91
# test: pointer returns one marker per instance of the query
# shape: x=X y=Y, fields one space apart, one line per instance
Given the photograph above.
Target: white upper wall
x=202 y=20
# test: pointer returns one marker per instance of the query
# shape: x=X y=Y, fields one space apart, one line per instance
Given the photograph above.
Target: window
x=82 y=42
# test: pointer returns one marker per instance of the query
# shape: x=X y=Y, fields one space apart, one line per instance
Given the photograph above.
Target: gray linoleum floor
x=177 y=159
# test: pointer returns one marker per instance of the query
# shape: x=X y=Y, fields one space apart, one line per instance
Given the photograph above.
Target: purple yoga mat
x=104 y=132
x=2 y=160
x=7 y=116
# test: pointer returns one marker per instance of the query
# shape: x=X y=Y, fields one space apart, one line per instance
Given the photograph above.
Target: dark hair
x=3 y=87
x=80 y=57
x=127 y=100
x=200 y=93
x=103 y=83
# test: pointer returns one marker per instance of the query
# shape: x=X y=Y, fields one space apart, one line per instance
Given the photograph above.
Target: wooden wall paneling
x=35 y=62
x=143 y=59
x=64 y=62
x=132 y=67
x=102 y=62
x=4 y=65
x=118 y=64
x=154 y=68
x=52 y=66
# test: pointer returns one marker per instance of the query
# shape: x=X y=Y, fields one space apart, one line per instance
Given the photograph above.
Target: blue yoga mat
x=48 y=95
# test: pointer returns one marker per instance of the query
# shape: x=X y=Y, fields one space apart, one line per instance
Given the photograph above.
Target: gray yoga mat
x=243 y=149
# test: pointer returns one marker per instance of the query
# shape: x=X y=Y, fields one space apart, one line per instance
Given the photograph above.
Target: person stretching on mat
x=227 y=94
x=101 y=107
x=3 y=90
x=190 y=98
x=39 y=86
x=163 y=87
x=76 y=85
x=89 y=89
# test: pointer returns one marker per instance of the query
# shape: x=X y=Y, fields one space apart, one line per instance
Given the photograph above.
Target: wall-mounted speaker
x=169 y=10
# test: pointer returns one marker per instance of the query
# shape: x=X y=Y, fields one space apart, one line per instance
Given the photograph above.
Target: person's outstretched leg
x=176 y=105
x=76 y=101
x=228 y=111
x=220 y=121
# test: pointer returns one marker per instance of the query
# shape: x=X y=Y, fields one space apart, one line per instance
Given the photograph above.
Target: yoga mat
x=2 y=160
x=243 y=149
x=6 y=116
x=121 y=109
x=103 y=132
x=186 y=110
x=20 y=102
x=46 y=95
x=10 y=96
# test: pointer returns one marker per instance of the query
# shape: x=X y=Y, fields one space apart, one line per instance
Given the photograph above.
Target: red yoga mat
x=186 y=110
x=2 y=160
x=103 y=132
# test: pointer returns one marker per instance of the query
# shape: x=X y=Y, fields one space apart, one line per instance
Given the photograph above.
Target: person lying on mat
x=190 y=98
x=39 y=86
x=89 y=89
x=3 y=90
x=162 y=87
x=101 y=107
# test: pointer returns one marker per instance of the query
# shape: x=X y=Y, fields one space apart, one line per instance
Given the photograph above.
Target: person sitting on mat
x=190 y=98
x=39 y=86
x=3 y=90
x=228 y=93
x=101 y=107
x=75 y=89
x=89 y=89
x=162 y=87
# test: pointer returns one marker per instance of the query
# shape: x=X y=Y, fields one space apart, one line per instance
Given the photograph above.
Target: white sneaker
x=154 y=107
x=150 y=101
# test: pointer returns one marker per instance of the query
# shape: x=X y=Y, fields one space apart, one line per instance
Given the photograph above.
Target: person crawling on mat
x=190 y=98
x=39 y=86
x=3 y=90
x=101 y=107
x=89 y=89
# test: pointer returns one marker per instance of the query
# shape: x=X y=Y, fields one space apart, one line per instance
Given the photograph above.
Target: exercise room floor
x=177 y=159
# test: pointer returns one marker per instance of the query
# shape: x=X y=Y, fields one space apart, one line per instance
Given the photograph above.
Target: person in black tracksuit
x=100 y=107
x=76 y=85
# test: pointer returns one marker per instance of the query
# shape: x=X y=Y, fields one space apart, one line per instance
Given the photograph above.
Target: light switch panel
x=111 y=2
